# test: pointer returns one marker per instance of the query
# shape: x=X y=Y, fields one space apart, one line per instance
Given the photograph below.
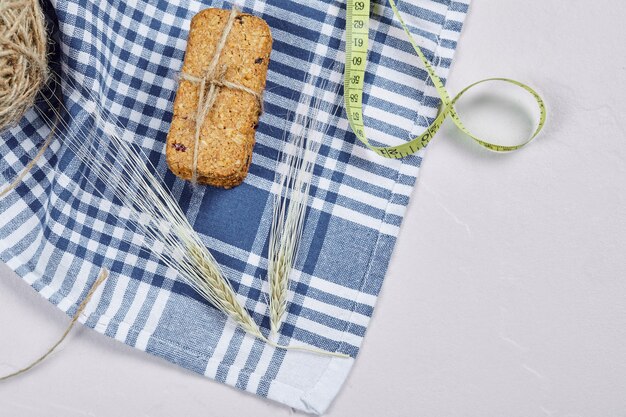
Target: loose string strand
x=101 y=278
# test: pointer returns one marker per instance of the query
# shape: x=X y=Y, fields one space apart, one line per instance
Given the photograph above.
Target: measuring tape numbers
x=357 y=35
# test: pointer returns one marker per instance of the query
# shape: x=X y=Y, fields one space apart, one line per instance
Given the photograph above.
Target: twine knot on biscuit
x=23 y=61
x=213 y=79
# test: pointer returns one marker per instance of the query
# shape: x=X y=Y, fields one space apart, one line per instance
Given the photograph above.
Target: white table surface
x=517 y=305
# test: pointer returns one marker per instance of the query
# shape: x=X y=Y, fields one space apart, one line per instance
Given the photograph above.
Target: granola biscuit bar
x=227 y=133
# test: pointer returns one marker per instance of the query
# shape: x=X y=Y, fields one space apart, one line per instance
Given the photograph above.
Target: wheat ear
x=122 y=171
x=293 y=179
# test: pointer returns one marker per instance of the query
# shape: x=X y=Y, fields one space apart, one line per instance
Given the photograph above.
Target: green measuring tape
x=357 y=31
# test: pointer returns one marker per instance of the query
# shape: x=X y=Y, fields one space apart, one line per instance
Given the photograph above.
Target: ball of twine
x=23 y=60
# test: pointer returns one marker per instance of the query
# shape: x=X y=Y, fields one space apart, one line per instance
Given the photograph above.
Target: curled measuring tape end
x=492 y=146
x=357 y=33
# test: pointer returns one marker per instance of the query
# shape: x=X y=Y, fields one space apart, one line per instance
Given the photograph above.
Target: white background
x=506 y=293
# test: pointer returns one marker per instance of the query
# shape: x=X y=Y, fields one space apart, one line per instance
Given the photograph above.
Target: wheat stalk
x=128 y=176
x=293 y=179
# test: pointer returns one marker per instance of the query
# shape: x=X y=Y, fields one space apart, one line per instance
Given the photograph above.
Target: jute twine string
x=23 y=68
x=23 y=61
x=101 y=278
x=214 y=78
x=31 y=164
x=23 y=74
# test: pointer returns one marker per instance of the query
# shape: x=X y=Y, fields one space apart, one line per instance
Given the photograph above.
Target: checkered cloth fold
x=57 y=234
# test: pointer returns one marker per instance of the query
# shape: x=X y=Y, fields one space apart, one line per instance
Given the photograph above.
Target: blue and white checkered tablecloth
x=57 y=233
